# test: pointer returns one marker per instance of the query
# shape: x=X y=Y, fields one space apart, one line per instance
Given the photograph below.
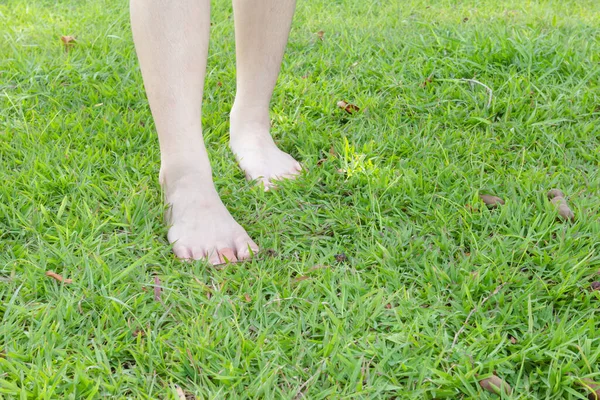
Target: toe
x=213 y=258
x=198 y=253
x=227 y=255
x=182 y=252
x=267 y=184
x=298 y=166
x=246 y=248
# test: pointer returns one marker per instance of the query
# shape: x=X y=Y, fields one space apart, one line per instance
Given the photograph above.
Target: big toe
x=226 y=255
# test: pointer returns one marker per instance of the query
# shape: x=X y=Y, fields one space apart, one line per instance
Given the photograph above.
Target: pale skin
x=171 y=40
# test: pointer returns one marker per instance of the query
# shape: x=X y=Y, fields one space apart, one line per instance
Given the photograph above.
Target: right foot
x=200 y=225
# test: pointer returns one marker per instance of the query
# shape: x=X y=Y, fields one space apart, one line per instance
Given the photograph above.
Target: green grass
x=394 y=188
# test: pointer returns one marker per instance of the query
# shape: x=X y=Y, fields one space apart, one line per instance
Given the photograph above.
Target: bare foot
x=258 y=155
x=200 y=225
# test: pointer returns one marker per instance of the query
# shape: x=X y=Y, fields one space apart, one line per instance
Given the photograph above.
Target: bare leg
x=171 y=40
x=261 y=32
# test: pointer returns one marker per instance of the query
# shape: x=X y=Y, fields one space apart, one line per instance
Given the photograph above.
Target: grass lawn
x=381 y=274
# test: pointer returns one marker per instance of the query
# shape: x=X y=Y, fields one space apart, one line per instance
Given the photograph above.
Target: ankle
x=245 y=117
x=174 y=174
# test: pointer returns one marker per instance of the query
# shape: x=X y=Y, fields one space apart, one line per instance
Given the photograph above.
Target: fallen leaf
x=2 y=354
x=427 y=81
x=563 y=208
x=300 y=278
x=491 y=201
x=68 y=42
x=555 y=193
x=138 y=332
x=592 y=387
x=58 y=277
x=180 y=392
x=270 y=253
x=157 y=288
x=388 y=305
x=349 y=108
x=219 y=84
x=494 y=384
x=320 y=34
x=513 y=340
x=465 y=19
x=247 y=298
x=341 y=257
x=596 y=285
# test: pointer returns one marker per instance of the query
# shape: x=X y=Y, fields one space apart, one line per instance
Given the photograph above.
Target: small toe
x=227 y=255
x=298 y=166
x=267 y=184
x=213 y=258
x=198 y=253
x=182 y=252
x=246 y=248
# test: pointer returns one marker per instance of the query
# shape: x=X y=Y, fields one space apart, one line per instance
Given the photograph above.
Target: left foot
x=258 y=155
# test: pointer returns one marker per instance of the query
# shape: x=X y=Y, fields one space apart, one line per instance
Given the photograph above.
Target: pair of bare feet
x=171 y=41
x=201 y=226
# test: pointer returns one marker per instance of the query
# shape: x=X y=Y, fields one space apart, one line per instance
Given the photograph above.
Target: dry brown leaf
x=342 y=257
x=595 y=285
x=557 y=197
x=592 y=387
x=494 y=384
x=491 y=201
x=388 y=305
x=68 y=42
x=513 y=340
x=564 y=211
x=58 y=277
x=270 y=253
x=138 y=332
x=157 y=288
x=320 y=34
x=300 y=278
x=555 y=193
x=349 y=108
x=180 y=392
x=247 y=298
x=427 y=81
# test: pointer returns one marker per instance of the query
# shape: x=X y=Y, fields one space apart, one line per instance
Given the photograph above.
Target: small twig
x=157 y=289
x=299 y=392
x=287 y=298
x=489 y=90
x=462 y=328
x=58 y=277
